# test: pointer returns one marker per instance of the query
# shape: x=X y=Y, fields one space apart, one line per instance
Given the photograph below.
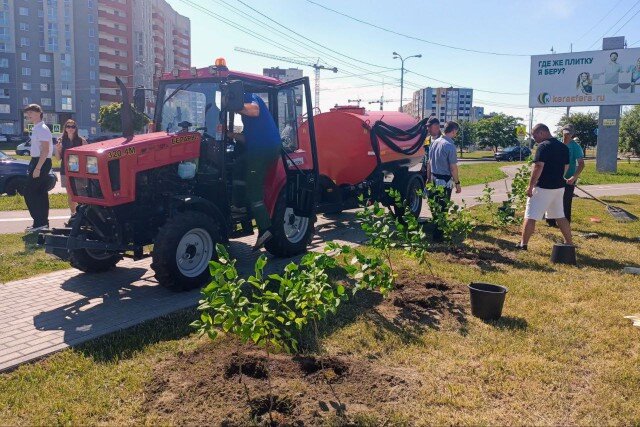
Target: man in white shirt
x=36 y=195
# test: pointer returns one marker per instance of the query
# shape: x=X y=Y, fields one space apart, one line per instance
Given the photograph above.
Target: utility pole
x=396 y=55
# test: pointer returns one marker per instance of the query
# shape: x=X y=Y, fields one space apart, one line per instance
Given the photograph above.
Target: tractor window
x=196 y=103
x=289 y=116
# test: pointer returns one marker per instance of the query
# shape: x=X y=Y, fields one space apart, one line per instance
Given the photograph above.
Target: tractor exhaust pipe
x=126 y=114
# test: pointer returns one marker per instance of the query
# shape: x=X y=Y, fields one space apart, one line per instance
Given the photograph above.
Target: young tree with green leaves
x=497 y=131
x=630 y=131
x=466 y=135
x=110 y=120
x=585 y=125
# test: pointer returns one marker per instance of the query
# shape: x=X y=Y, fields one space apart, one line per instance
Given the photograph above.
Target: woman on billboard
x=584 y=83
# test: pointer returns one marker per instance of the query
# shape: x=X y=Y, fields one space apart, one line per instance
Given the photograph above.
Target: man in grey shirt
x=442 y=169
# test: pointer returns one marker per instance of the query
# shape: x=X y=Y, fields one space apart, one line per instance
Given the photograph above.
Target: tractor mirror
x=233 y=96
x=138 y=99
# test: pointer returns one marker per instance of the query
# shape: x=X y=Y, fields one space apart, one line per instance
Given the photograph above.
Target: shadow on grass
x=480 y=234
x=611 y=236
x=609 y=264
x=126 y=343
x=509 y=323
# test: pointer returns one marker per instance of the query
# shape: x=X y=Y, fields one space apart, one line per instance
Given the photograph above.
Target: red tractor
x=174 y=188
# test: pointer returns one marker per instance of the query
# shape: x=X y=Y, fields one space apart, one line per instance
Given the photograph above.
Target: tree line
x=499 y=131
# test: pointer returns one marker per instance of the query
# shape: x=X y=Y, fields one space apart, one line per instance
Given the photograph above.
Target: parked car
x=13 y=175
x=510 y=154
x=24 y=149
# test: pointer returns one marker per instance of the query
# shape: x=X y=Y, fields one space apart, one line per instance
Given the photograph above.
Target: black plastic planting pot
x=563 y=254
x=487 y=300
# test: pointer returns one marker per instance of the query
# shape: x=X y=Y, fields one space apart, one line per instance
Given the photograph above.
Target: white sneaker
x=266 y=236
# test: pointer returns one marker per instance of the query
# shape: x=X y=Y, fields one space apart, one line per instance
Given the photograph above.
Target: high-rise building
x=477 y=113
x=447 y=103
x=282 y=74
x=65 y=55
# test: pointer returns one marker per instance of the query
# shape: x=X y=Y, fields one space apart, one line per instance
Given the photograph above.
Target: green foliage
x=369 y=272
x=585 y=125
x=630 y=131
x=506 y=214
x=497 y=131
x=110 y=119
x=386 y=231
x=466 y=135
x=455 y=221
x=281 y=304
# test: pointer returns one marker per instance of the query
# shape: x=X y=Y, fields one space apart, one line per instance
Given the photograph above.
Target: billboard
x=602 y=77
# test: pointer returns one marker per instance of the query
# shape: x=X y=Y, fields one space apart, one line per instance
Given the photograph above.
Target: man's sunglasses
x=70 y=126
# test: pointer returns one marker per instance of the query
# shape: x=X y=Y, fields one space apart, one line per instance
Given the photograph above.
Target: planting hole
x=331 y=368
x=260 y=406
x=253 y=367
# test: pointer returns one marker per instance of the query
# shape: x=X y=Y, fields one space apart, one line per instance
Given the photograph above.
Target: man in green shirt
x=576 y=164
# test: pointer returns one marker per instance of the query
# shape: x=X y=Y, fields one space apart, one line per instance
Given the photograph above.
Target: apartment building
x=66 y=54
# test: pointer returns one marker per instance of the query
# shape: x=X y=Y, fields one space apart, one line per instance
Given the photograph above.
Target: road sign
x=609 y=122
x=56 y=128
x=521 y=131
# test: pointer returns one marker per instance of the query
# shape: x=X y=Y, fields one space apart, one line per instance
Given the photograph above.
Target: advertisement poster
x=603 y=77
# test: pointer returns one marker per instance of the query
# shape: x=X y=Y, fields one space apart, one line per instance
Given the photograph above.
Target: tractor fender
x=199 y=204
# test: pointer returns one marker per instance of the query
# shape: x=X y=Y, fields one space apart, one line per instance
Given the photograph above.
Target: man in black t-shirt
x=546 y=186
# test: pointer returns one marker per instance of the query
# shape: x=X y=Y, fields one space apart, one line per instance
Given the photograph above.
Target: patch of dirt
x=204 y=387
x=485 y=257
x=426 y=301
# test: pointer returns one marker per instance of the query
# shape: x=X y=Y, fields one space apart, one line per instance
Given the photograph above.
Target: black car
x=13 y=175
x=510 y=154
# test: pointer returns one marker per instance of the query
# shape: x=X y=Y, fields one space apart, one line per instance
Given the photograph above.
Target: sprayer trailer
x=173 y=188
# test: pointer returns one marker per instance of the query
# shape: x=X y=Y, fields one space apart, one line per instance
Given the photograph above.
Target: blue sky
x=511 y=27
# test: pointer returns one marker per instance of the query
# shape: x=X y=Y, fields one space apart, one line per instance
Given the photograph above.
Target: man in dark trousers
x=576 y=165
x=262 y=147
x=546 y=185
x=35 y=194
x=442 y=170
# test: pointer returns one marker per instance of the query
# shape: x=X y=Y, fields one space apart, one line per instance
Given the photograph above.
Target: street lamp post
x=396 y=55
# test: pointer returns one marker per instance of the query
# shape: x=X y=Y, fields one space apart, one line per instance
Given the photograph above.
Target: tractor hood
x=111 y=166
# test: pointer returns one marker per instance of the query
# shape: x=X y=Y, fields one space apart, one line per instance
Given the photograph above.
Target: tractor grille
x=86 y=187
x=114 y=174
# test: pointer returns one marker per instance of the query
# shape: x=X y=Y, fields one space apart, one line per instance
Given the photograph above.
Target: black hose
x=388 y=133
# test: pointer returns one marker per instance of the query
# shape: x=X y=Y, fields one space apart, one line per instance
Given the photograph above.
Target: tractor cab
x=175 y=187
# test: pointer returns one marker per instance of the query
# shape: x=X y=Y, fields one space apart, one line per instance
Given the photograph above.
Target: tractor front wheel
x=291 y=233
x=91 y=260
x=182 y=250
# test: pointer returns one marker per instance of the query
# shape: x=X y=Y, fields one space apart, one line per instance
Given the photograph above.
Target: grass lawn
x=627 y=172
x=479 y=173
x=480 y=154
x=562 y=354
x=21 y=258
x=16 y=203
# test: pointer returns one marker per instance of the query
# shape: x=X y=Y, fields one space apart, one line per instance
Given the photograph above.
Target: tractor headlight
x=92 y=164
x=72 y=163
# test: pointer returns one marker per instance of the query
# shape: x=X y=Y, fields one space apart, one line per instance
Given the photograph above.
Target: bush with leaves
x=453 y=220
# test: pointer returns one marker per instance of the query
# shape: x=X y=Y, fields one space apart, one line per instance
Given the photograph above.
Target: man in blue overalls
x=262 y=147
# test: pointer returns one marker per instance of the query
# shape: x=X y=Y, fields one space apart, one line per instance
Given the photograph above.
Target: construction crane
x=382 y=100
x=355 y=100
x=316 y=67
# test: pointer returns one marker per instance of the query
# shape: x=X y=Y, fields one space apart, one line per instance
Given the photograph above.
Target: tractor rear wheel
x=291 y=233
x=409 y=186
x=182 y=250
